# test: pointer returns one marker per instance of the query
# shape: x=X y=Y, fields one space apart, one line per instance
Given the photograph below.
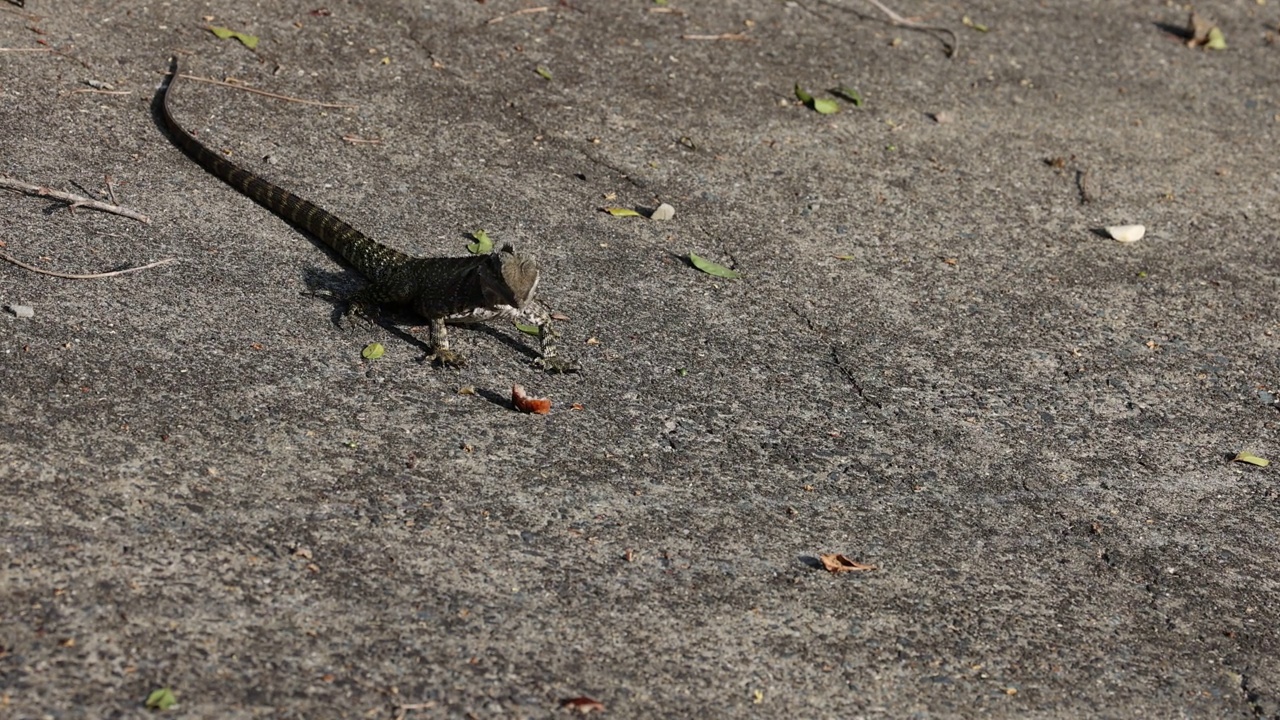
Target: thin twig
x=102 y=92
x=526 y=11
x=722 y=36
x=1082 y=185
x=46 y=50
x=73 y=201
x=111 y=192
x=356 y=140
x=246 y=88
x=895 y=17
x=403 y=710
x=74 y=276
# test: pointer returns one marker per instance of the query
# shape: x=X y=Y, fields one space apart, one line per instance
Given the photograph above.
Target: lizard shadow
x=324 y=285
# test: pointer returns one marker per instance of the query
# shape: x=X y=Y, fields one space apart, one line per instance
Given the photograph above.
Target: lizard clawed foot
x=445 y=358
x=557 y=364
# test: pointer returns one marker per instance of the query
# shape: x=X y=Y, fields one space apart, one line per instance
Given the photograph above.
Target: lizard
x=475 y=288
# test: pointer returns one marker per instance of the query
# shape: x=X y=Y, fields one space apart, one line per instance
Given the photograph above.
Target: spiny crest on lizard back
x=519 y=273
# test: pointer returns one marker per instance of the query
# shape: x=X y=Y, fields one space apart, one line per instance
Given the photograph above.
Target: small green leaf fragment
x=528 y=329
x=1217 y=41
x=621 y=212
x=825 y=106
x=161 y=699
x=682 y=372
x=1245 y=457
x=482 y=246
x=661 y=3
x=849 y=94
x=844 y=257
x=976 y=26
x=373 y=351
x=803 y=96
x=544 y=72
x=249 y=41
x=711 y=268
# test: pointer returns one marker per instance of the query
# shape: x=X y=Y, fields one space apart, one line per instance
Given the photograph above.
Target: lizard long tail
x=369 y=258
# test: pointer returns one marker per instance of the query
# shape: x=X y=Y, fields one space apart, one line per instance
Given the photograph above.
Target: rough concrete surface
x=933 y=363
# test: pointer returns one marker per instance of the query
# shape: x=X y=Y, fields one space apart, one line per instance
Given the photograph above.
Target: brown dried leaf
x=836 y=563
x=524 y=403
x=582 y=704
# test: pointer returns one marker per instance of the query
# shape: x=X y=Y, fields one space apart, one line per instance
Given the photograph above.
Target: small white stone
x=1127 y=233
x=22 y=311
x=663 y=212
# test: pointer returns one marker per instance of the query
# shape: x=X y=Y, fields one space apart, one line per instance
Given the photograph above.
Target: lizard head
x=519 y=278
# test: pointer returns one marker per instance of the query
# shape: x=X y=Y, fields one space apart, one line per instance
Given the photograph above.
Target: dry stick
x=526 y=11
x=246 y=88
x=74 y=276
x=402 y=710
x=73 y=201
x=895 y=17
x=722 y=36
x=111 y=192
x=1082 y=184
x=47 y=50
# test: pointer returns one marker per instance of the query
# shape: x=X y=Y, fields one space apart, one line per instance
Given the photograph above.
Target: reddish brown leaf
x=524 y=403
x=582 y=704
x=836 y=563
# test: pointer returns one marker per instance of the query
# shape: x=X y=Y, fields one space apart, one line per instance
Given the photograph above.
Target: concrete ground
x=933 y=363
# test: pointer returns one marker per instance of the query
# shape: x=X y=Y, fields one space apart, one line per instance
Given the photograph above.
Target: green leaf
x=1217 y=41
x=373 y=351
x=530 y=329
x=825 y=106
x=161 y=699
x=976 y=26
x=849 y=94
x=711 y=268
x=621 y=212
x=803 y=96
x=482 y=246
x=249 y=41
x=544 y=72
x=1245 y=457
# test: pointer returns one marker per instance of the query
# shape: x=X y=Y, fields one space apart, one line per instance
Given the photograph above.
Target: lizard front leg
x=549 y=359
x=440 y=352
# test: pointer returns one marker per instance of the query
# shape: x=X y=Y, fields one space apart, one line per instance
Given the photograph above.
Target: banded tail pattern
x=369 y=257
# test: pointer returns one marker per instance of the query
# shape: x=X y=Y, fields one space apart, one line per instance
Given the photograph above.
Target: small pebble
x=22 y=311
x=663 y=212
x=1127 y=233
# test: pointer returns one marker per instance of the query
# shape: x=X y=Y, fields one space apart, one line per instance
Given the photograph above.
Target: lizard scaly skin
x=474 y=288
